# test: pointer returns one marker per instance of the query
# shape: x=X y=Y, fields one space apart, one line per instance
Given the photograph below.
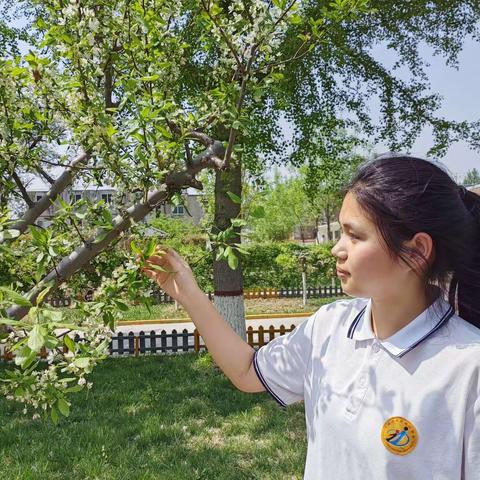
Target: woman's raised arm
x=231 y=353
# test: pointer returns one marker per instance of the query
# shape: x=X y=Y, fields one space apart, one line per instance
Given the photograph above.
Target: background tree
x=472 y=177
x=138 y=95
x=144 y=95
x=285 y=207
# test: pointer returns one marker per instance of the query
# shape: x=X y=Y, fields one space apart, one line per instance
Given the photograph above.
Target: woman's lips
x=341 y=272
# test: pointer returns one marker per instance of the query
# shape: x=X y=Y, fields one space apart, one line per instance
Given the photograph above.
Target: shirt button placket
x=358 y=394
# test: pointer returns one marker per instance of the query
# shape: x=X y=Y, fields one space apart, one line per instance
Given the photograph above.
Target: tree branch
x=224 y=35
x=22 y=189
x=76 y=167
x=72 y=263
x=45 y=175
x=57 y=188
x=233 y=131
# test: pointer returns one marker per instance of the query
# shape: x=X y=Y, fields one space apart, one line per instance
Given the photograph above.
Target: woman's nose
x=337 y=251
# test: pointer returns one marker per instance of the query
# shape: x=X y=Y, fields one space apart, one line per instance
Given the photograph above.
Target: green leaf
x=74 y=389
x=234 y=198
x=51 y=342
x=121 y=305
x=64 y=407
x=54 y=415
x=258 y=212
x=38 y=234
x=25 y=357
x=42 y=294
x=15 y=297
x=277 y=76
x=295 y=19
x=8 y=234
x=69 y=343
x=135 y=249
x=215 y=10
x=228 y=251
x=176 y=199
x=82 y=362
x=152 y=245
x=157 y=267
x=50 y=315
x=232 y=261
x=238 y=222
x=36 y=338
x=150 y=78
x=8 y=321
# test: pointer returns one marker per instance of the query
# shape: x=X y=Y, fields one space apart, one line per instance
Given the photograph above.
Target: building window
x=107 y=197
x=77 y=197
x=337 y=234
x=178 y=211
x=38 y=197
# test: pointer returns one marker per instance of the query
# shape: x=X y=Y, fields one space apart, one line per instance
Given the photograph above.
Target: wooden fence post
x=131 y=343
x=163 y=340
x=174 y=341
x=261 y=340
x=185 y=340
x=196 y=340
x=271 y=333
x=153 y=342
x=250 y=336
x=120 y=343
x=141 y=336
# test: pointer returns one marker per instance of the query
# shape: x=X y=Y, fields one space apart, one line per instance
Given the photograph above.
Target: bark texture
x=228 y=283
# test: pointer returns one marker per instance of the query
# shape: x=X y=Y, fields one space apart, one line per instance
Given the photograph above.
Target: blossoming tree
x=145 y=95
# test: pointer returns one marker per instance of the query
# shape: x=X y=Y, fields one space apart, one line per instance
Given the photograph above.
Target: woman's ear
x=422 y=243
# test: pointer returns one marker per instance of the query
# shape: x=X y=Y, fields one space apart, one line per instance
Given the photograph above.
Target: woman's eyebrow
x=349 y=225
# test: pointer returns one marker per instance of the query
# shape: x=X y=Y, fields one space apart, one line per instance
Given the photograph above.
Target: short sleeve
x=471 y=443
x=282 y=363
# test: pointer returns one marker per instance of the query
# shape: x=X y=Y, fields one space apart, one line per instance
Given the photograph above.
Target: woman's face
x=361 y=252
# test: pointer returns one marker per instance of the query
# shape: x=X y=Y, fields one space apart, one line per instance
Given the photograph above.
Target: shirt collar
x=406 y=339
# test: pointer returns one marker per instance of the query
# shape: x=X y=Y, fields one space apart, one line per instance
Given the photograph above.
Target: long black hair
x=405 y=195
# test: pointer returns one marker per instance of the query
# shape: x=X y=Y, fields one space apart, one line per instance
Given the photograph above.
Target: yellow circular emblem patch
x=399 y=436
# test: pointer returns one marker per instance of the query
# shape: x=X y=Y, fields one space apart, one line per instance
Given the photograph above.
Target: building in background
x=37 y=188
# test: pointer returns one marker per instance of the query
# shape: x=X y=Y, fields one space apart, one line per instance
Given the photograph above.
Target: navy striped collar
x=406 y=339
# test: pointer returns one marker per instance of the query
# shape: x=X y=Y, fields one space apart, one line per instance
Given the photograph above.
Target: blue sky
x=461 y=101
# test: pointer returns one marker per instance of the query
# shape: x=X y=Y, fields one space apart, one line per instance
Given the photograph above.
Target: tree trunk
x=228 y=283
x=327 y=217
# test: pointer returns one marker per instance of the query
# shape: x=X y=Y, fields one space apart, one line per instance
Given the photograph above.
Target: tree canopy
x=144 y=95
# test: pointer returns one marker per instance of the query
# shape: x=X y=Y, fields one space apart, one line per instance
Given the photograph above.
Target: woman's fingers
x=147 y=272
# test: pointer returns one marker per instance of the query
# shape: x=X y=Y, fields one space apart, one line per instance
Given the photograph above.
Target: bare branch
x=65 y=179
x=22 y=189
x=233 y=131
x=45 y=175
x=201 y=137
x=75 y=167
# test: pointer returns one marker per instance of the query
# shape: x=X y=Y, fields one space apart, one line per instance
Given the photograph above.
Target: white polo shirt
x=405 y=408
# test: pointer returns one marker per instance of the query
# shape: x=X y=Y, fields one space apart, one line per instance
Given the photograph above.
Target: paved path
x=168 y=327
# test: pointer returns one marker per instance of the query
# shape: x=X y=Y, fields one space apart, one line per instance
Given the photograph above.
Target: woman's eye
x=354 y=236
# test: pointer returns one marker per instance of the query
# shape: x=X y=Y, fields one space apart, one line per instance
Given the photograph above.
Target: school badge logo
x=399 y=436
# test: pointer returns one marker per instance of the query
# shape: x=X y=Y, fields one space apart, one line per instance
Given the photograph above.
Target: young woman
x=390 y=378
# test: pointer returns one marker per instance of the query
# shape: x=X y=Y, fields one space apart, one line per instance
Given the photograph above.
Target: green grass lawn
x=253 y=307
x=165 y=417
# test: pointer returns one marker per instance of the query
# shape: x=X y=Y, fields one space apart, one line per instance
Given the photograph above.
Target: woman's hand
x=172 y=274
